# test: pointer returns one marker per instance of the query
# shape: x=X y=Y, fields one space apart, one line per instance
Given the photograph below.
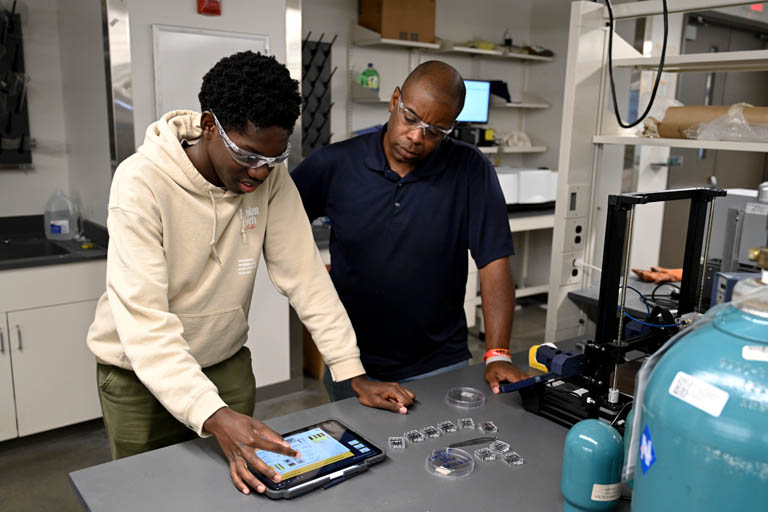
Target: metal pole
x=630 y=221
x=706 y=255
x=613 y=392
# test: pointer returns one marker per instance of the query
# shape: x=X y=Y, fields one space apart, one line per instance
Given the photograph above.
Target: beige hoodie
x=180 y=272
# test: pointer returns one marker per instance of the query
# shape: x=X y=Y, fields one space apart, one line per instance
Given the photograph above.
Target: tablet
x=330 y=453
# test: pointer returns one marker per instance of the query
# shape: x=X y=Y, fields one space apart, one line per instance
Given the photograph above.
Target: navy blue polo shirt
x=399 y=246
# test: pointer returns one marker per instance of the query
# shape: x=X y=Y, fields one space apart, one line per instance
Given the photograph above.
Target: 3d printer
x=580 y=385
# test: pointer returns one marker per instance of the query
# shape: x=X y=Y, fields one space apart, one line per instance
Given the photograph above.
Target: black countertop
x=23 y=244
x=30 y=227
x=28 y=230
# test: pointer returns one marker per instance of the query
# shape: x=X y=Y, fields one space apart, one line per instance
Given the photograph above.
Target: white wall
x=549 y=26
x=24 y=192
x=85 y=106
x=333 y=17
x=251 y=16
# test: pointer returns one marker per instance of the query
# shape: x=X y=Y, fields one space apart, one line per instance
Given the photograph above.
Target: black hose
x=658 y=73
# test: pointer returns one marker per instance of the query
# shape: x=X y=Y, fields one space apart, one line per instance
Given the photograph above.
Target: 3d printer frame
x=570 y=400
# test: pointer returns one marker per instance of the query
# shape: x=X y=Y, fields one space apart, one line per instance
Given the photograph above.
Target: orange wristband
x=496 y=352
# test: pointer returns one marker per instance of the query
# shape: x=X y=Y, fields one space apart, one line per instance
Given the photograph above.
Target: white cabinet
x=7 y=408
x=54 y=373
x=47 y=373
x=268 y=332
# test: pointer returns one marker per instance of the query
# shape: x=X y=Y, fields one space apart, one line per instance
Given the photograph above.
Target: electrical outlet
x=571 y=274
x=575 y=234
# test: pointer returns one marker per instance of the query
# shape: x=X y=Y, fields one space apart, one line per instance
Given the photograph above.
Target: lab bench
x=195 y=476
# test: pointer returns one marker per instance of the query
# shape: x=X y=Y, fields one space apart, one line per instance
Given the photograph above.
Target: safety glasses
x=246 y=158
x=413 y=122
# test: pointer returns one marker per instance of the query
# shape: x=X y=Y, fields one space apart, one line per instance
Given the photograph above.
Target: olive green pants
x=135 y=420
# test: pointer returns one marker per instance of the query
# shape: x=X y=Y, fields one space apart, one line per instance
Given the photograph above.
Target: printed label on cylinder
x=702 y=395
x=755 y=353
x=605 y=492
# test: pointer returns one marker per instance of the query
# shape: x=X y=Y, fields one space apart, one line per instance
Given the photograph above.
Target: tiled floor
x=34 y=469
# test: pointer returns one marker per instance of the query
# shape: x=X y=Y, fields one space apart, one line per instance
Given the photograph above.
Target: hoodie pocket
x=213 y=336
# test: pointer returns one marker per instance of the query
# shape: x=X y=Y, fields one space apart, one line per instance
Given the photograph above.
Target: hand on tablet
x=382 y=395
x=499 y=371
x=240 y=436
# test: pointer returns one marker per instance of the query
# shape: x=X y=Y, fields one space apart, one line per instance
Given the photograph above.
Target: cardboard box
x=410 y=20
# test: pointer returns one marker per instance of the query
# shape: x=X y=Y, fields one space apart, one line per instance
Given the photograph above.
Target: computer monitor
x=476 y=102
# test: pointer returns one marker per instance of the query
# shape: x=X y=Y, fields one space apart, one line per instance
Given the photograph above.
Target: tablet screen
x=325 y=448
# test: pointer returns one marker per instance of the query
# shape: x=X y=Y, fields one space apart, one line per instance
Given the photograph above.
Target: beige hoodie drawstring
x=212 y=243
x=242 y=221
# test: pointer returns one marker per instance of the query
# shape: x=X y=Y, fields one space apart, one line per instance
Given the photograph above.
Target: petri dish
x=450 y=463
x=465 y=398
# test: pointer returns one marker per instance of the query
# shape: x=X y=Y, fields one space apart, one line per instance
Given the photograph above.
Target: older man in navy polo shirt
x=405 y=204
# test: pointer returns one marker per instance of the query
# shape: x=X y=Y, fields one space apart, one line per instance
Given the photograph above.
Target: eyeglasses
x=246 y=158
x=413 y=122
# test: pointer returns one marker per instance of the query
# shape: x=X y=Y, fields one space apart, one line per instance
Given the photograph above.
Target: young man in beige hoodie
x=190 y=214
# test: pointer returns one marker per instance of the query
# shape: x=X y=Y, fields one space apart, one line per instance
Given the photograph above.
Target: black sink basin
x=21 y=248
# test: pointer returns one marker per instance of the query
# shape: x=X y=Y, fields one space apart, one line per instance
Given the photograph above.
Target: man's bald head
x=440 y=81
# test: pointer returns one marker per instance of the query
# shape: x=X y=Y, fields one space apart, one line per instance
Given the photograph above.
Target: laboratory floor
x=34 y=469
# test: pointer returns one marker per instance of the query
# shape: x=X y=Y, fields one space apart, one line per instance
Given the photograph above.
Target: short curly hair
x=249 y=87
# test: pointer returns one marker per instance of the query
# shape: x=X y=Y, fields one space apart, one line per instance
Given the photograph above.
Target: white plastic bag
x=732 y=126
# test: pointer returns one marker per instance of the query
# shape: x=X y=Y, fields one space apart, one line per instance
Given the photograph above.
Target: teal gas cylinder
x=592 y=461
x=627 y=436
x=704 y=422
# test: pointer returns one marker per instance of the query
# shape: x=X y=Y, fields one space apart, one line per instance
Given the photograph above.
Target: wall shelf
x=361 y=95
x=527 y=291
x=755 y=60
x=450 y=47
x=362 y=36
x=526 y=149
x=531 y=221
x=653 y=7
x=761 y=147
x=492 y=150
x=527 y=101
x=371 y=101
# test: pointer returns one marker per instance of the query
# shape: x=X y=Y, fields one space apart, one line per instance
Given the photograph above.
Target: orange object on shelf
x=659 y=274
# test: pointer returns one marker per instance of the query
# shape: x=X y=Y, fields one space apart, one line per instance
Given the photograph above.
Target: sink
x=21 y=248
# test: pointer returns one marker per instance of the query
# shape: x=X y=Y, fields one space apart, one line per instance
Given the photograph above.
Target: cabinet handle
x=18 y=332
x=2 y=342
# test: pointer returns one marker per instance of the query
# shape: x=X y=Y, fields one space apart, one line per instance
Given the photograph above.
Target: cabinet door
x=54 y=372
x=268 y=335
x=7 y=409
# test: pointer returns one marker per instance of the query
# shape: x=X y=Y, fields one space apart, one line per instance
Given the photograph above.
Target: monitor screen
x=476 y=102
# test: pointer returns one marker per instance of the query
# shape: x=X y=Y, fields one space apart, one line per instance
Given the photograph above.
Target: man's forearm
x=497 y=289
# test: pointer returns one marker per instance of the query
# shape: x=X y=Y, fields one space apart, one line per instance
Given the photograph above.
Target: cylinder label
x=647 y=453
x=755 y=353
x=757 y=208
x=607 y=492
x=702 y=395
